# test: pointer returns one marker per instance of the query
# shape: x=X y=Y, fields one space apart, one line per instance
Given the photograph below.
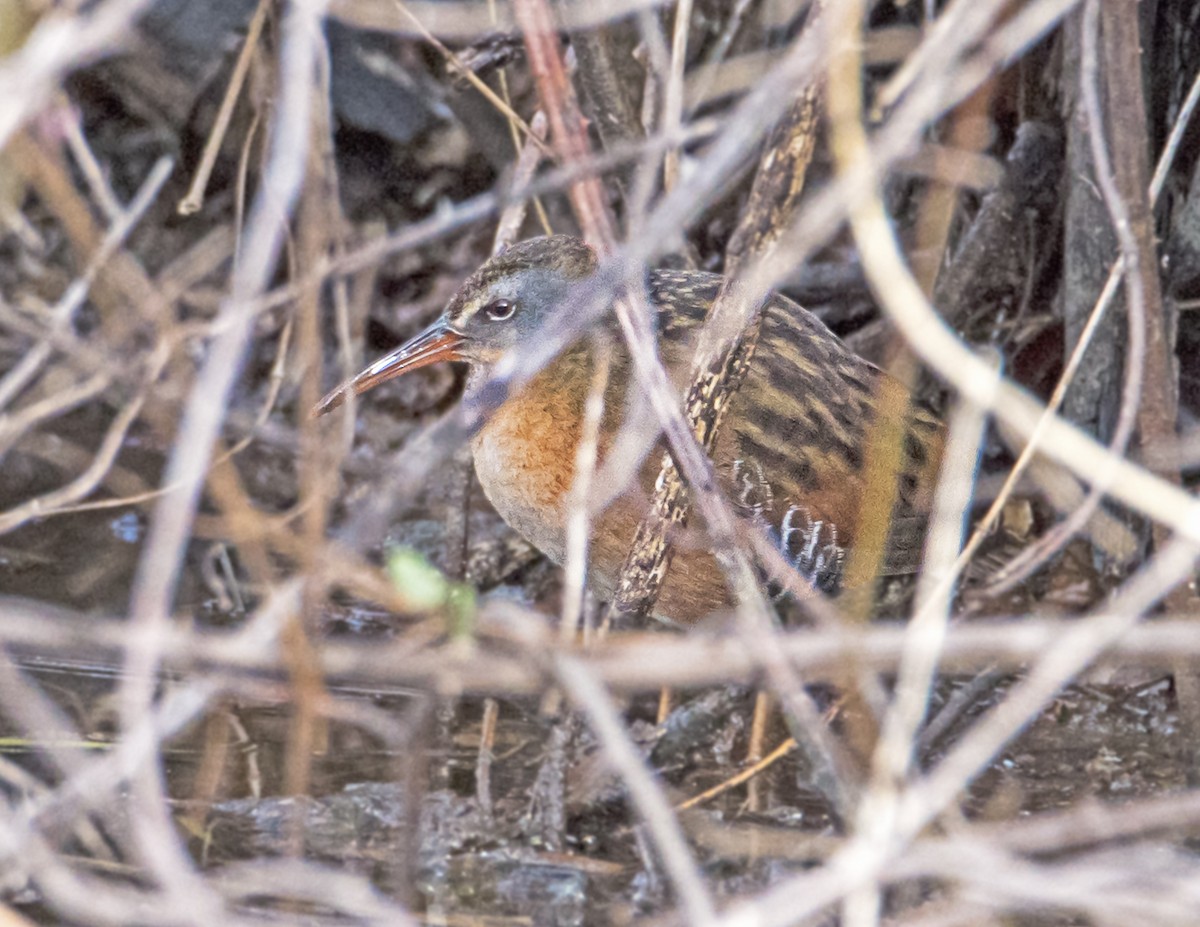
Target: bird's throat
x=525 y=453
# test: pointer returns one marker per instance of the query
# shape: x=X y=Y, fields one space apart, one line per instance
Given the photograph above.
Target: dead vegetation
x=255 y=665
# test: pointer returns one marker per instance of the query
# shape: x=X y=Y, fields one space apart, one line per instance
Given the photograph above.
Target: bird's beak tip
x=328 y=403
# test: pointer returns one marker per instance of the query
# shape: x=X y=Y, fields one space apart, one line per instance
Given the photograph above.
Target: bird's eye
x=500 y=309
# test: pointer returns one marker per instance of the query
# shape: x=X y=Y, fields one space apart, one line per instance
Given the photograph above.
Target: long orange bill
x=437 y=343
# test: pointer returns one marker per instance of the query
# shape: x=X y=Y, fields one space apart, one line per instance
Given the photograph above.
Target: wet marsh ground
x=247 y=719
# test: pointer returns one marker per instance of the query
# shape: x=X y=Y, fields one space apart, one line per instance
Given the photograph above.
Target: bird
x=789 y=454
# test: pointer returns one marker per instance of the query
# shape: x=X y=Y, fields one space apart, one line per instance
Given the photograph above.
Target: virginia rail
x=789 y=453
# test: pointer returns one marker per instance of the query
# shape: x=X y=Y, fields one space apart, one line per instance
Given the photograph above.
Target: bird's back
x=791 y=449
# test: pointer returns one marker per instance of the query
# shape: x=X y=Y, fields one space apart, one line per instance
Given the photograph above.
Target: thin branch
x=166 y=540
x=591 y=698
x=672 y=109
x=106 y=453
x=193 y=200
x=123 y=223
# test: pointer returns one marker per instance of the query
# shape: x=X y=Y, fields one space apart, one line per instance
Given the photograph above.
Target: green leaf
x=420 y=581
x=427 y=589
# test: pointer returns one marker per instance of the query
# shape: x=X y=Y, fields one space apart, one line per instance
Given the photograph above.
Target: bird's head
x=499 y=307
